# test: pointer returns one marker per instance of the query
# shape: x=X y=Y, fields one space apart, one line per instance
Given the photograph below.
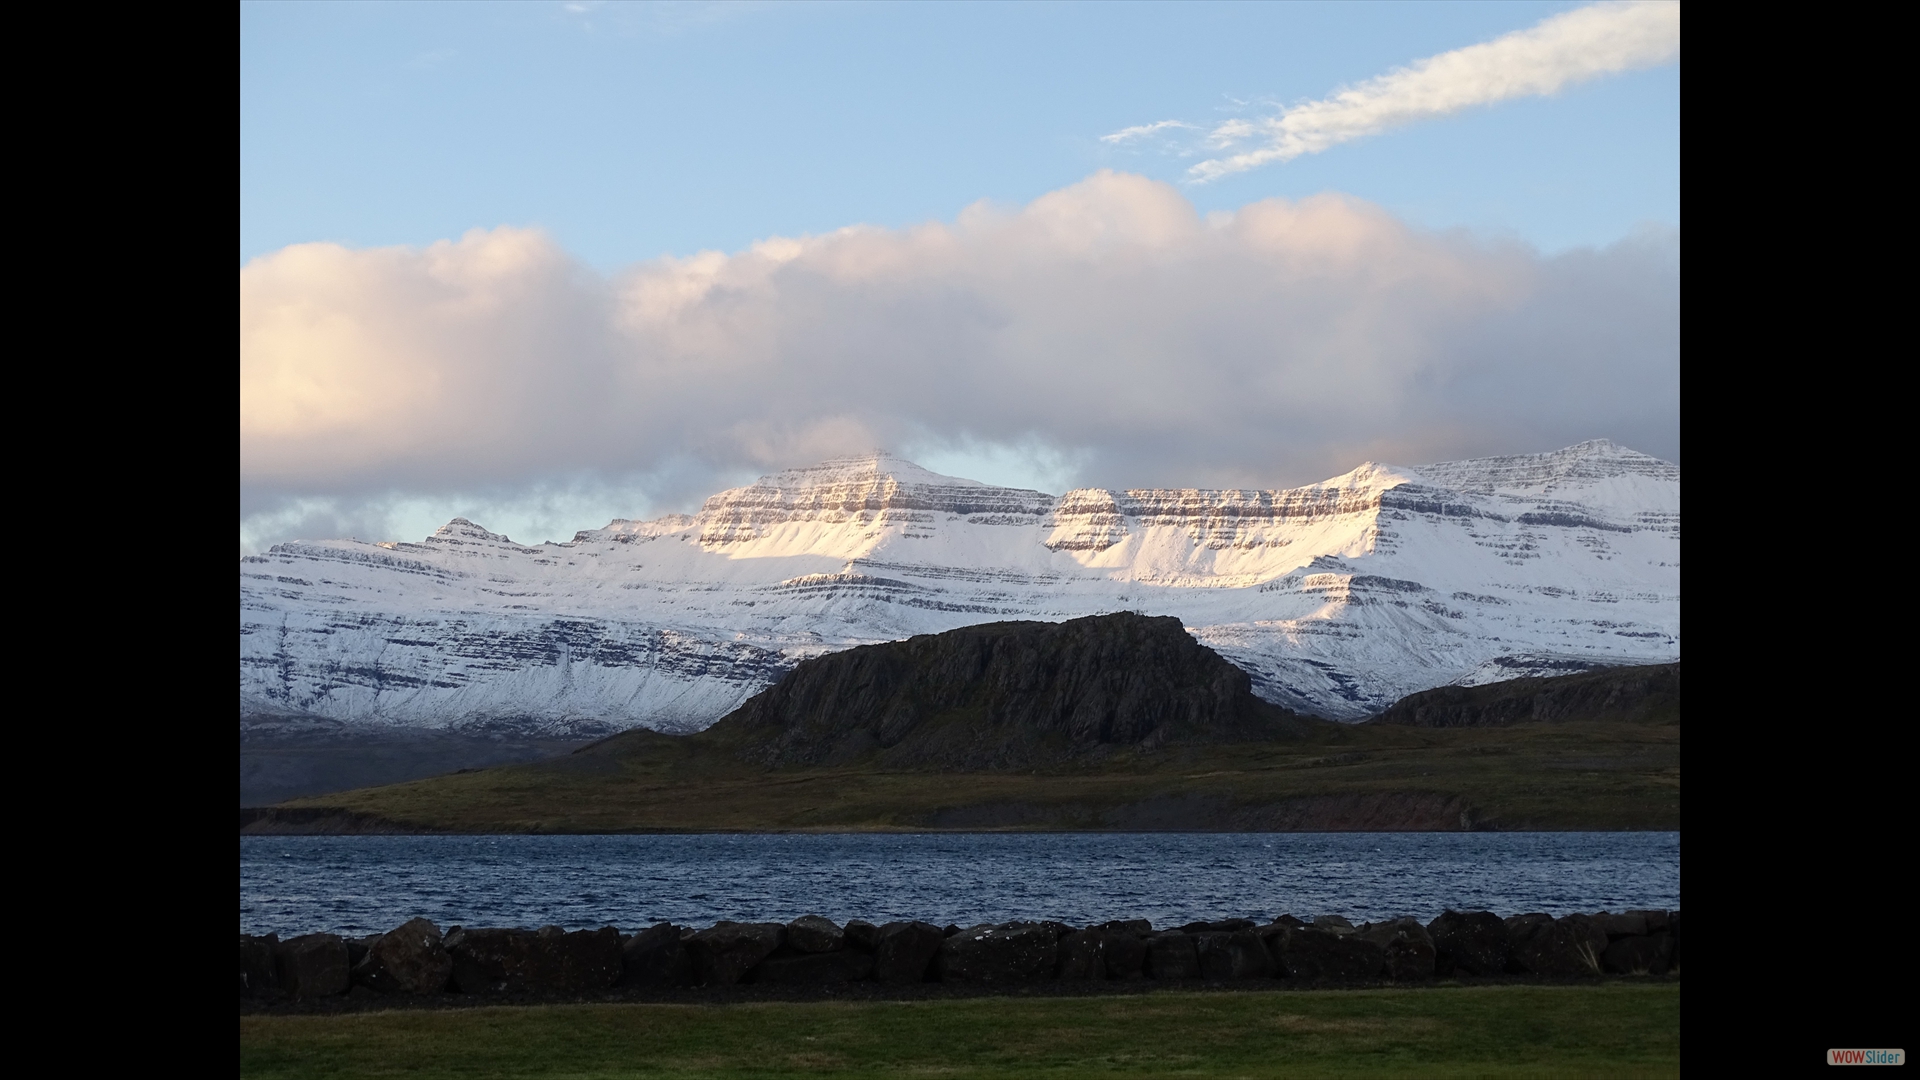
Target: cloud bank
x=1586 y=43
x=1106 y=324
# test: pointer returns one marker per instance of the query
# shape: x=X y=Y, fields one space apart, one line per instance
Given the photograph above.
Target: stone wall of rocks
x=416 y=958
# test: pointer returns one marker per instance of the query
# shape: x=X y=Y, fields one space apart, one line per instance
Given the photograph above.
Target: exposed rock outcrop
x=1644 y=694
x=1005 y=695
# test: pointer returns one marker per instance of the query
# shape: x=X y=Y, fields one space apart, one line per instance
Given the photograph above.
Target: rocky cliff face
x=1338 y=598
x=1643 y=694
x=1004 y=695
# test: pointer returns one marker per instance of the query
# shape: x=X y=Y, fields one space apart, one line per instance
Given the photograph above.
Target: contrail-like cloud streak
x=1139 y=131
x=1602 y=39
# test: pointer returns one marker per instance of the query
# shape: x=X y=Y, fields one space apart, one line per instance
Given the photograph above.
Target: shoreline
x=339 y=821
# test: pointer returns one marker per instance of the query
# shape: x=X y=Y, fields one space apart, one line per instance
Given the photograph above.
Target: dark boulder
x=1288 y=920
x=1267 y=933
x=1012 y=952
x=815 y=969
x=655 y=957
x=1218 y=926
x=903 y=951
x=1673 y=928
x=1333 y=924
x=1314 y=953
x=1656 y=920
x=1409 y=948
x=1571 y=945
x=1649 y=954
x=724 y=953
x=549 y=961
x=1237 y=955
x=486 y=960
x=258 y=971
x=362 y=975
x=313 y=965
x=1173 y=956
x=357 y=949
x=815 y=934
x=1523 y=928
x=1083 y=955
x=1126 y=953
x=410 y=959
x=950 y=930
x=862 y=935
x=1137 y=927
x=1468 y=942
x=1630 y=924
x=579 y=962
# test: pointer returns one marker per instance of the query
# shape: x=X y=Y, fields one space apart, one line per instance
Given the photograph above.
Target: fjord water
x=365 y=884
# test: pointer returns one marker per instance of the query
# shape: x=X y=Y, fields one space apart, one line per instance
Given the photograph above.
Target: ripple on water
x=364 y=884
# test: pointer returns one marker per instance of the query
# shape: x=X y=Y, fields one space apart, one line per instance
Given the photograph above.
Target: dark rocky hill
x=1648 y=694
x=1008 y=695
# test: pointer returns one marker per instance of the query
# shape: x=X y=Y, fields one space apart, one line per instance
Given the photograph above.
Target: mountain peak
x=867 y=483
x=1579 y=465
x=1336 y=598
x=462 y=529
x=875 y=466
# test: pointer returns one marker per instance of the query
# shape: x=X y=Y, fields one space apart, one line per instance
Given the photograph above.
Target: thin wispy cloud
x=1586 y=43
x=1141 y=131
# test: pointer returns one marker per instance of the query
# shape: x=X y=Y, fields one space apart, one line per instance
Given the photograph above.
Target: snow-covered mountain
x=1338 y=598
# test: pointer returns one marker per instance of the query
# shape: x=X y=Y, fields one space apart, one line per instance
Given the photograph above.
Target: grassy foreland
x=1599 y=775
x=1614 y=1029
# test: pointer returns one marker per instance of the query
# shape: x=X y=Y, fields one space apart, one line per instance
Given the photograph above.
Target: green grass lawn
x=1613 y=1029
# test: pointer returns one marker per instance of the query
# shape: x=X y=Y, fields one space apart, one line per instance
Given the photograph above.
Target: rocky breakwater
x=415 y=960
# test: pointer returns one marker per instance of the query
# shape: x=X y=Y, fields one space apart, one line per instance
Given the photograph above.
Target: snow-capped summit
x=1338 y=597
x=878 y=468
x=853 y=492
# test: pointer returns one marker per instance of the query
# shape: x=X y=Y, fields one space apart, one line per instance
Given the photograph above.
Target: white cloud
x=1586 y=43
x=1139 y=131
x=1102 y=334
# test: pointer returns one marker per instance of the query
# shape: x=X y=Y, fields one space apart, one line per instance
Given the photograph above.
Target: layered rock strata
x=1337 y=598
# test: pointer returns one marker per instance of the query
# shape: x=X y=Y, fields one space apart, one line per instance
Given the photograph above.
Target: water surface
x=362 y=884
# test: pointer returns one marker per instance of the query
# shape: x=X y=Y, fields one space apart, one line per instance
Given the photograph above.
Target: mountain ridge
x=1337 y=598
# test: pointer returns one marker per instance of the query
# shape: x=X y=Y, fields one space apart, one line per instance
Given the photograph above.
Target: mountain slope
x=1337 y=598
x=1646 y=694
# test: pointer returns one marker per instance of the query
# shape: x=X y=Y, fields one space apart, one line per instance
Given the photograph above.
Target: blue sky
x=631 y=131
x=471 y=238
